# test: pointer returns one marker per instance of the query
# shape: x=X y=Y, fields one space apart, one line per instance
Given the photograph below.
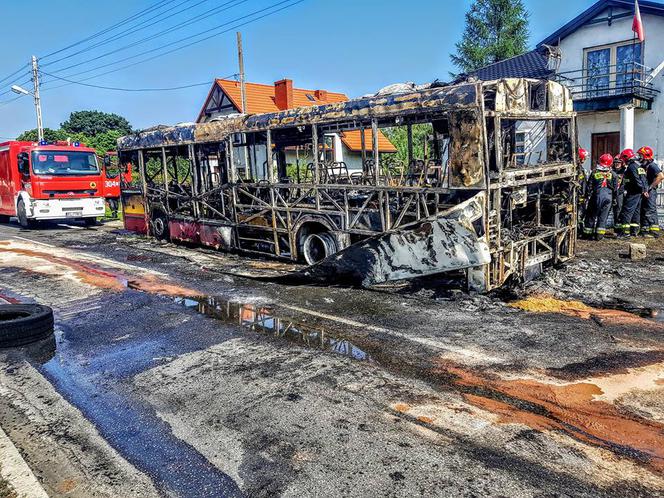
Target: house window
x=613 y=69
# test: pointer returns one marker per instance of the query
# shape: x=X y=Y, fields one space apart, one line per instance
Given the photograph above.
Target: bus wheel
x=319 y=246
x=160 y=228
x=22 y=215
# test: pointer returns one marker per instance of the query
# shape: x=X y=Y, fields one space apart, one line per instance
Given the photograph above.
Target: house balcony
x=609 y=88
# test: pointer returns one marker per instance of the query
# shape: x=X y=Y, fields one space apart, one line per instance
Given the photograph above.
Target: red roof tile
x=261 y=99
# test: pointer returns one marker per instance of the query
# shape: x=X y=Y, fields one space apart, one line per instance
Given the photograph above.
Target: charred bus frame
x=489 y=203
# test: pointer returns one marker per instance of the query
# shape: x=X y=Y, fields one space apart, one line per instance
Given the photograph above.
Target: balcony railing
x=620 y=82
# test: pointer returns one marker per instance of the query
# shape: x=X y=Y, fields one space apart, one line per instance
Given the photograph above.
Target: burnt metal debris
x=492 y=195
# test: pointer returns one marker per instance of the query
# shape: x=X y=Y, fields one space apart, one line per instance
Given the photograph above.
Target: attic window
x=311 y=97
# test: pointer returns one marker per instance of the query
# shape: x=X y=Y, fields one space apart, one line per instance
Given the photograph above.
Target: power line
x=188 y=38
x=133 y=29
x=15 y=73
x=163 y=46
x=206 y=83
x=7 y=102
x=138 y=15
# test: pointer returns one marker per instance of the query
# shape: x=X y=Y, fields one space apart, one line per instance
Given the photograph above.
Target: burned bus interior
x=482 y=184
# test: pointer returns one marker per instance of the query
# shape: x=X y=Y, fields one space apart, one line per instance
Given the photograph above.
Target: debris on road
x=637 y=252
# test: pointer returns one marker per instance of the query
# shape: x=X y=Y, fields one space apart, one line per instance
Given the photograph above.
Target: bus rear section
x=42 y=182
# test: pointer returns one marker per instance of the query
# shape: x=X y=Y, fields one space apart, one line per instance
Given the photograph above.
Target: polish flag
x=637 y=25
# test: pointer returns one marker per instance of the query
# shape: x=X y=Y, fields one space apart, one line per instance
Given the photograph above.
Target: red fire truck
x=50 y=181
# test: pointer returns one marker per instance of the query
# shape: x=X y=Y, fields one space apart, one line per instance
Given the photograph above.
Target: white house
x=616 y=81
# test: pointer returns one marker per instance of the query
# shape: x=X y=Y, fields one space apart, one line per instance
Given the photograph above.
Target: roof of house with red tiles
x=262 y=99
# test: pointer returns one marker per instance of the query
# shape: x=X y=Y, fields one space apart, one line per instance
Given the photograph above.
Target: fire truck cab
x=50 y=181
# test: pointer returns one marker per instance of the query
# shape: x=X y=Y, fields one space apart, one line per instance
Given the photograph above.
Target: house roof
x=647 y=7
x=261 y=100
x=533 y=64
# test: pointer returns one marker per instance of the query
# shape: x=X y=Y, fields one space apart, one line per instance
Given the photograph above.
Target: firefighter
x=636 y=188
x=654 y=176
x=582 y=180
x=619 y=197
x=601 y=189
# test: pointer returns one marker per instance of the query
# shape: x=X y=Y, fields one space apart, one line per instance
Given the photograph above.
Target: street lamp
x=19 y=90
x=22 y=91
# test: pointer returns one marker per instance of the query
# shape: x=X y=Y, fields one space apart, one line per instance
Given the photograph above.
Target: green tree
x=50 y=135
x=399 y=138
x=103 y=142
x=495 y=30
x=93 y=123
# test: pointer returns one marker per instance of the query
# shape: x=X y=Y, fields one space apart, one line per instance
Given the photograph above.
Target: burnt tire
x=319 y=246
x=160 y=228
x=22 y=324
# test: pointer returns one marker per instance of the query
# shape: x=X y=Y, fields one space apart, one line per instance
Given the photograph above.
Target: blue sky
x=353 y=46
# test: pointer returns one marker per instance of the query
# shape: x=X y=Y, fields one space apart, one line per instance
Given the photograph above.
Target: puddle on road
x=247 y=316
x=261 y=319
x=106 y=279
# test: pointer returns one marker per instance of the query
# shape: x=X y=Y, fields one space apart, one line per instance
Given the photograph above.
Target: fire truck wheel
x=4 y=218
x=90 y=222
x=22 y=216
x=22 y=324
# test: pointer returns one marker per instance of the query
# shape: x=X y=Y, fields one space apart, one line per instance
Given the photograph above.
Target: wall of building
x=648 y=129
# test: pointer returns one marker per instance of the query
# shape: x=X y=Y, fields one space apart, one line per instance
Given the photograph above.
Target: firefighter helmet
x=606 y=160
x=627 y=155
x=583 y=154
x=647 y=153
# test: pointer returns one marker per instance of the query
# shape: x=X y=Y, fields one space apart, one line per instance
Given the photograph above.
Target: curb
x=16 y=471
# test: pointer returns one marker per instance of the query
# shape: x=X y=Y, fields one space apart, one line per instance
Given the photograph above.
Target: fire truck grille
x=69 y=192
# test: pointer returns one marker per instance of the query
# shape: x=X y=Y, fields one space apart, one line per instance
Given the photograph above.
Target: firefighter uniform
x=582 y=180
x=636 y=185
x=649 y=217
x=619 y=195
x=601 y=189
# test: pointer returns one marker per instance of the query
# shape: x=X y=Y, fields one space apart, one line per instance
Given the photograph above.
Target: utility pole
x=240 y=56
x=35 y=80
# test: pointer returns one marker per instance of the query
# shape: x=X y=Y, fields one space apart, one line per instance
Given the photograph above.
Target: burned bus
x=490 y=198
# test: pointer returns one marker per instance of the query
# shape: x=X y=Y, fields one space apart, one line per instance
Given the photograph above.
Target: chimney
x=283 y=94
x=321 y=95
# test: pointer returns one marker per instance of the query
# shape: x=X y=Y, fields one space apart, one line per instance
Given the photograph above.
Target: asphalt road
x=175 y=374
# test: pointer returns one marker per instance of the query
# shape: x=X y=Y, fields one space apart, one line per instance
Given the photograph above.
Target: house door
x=605 y=143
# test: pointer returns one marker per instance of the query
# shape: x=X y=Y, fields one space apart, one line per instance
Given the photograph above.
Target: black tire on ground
x=4 y=218
x=90 y=222
x=22 y=324
x=22 y=215
x=160 y=229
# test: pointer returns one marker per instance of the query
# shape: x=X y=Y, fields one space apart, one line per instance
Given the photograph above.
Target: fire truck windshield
x=63 y=163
